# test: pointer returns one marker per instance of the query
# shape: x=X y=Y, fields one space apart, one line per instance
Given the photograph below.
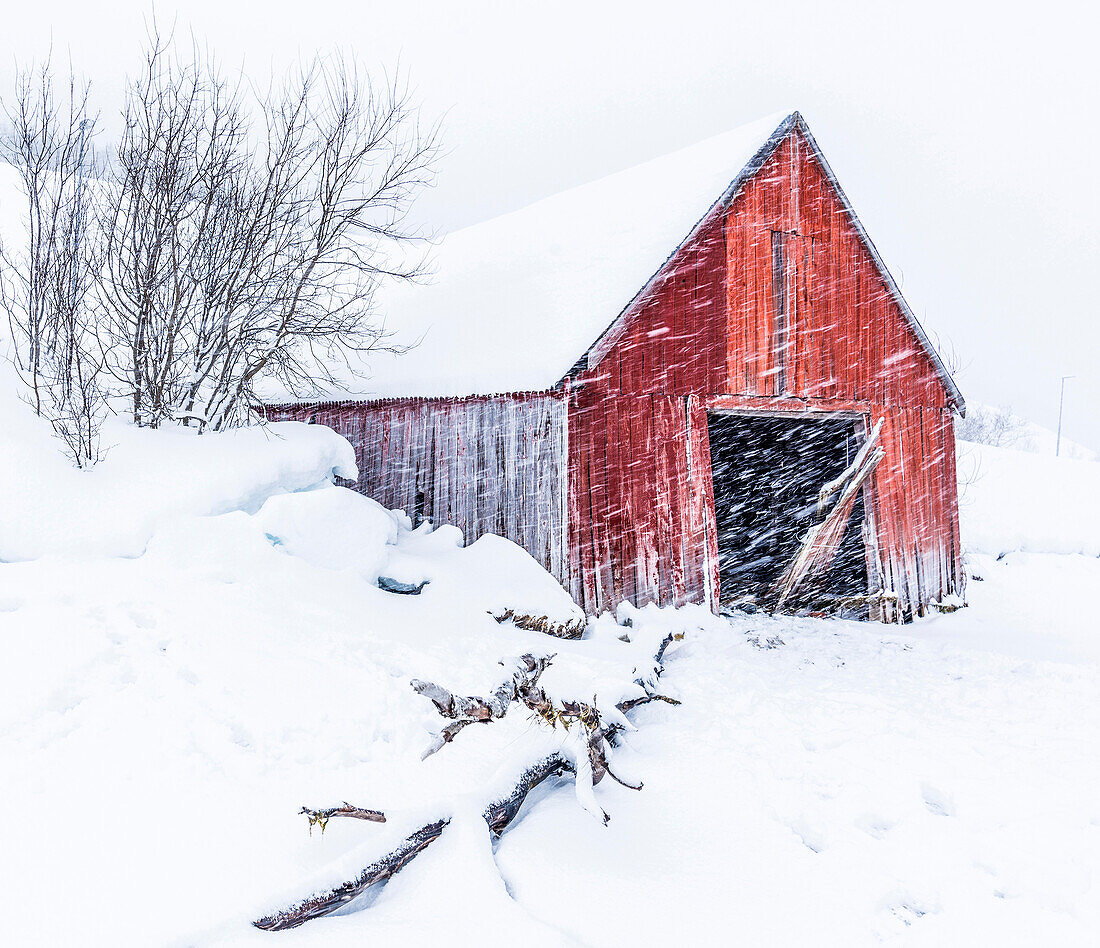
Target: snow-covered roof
x=514 y=302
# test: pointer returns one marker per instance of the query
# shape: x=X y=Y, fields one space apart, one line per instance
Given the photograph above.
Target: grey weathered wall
x=485 y=464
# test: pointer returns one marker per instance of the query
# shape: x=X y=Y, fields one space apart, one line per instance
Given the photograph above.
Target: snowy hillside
x=196 y=646
x=1014 y=500
x=1002 y=427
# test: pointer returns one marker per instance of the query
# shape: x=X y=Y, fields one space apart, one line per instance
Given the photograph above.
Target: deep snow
x=211 y=652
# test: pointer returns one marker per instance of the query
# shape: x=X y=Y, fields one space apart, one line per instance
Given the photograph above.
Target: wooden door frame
x=857 y=412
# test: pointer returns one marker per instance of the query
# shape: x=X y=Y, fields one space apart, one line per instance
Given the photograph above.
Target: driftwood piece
x=632 y=703
x=474 y=709
x=523 y=688
x=498 y=815
x=325 y=903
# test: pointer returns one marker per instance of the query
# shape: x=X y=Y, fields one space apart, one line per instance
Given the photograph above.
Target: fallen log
x=498 y=815
x=325 y=903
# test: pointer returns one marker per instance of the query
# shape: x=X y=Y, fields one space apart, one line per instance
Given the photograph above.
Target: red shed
x=692 y=381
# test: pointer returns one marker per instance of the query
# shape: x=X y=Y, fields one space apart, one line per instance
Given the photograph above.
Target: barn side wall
x=483 y=464
x=637 y=500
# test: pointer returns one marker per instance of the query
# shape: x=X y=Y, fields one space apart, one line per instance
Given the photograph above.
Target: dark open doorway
x=767 y=472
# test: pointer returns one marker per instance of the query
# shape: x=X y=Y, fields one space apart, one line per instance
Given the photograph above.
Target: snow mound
x=1017 y=501
x=1003 y=428
x=492 y=574
x=332 y=528
x=146 y=479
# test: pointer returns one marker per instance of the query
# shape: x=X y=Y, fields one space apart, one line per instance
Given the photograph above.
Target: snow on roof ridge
x=776 y=120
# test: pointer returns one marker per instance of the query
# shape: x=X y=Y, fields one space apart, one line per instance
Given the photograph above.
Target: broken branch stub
x=559 y=630
x=322 y=816
x=474 y=709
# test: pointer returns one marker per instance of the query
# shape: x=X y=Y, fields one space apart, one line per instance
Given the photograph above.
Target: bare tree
x=993 y=425
x=235 y=252
x=232 y=234
x=46 y=285
x=182 y=130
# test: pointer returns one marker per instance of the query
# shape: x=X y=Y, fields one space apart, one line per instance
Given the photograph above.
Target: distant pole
x=1061 y=400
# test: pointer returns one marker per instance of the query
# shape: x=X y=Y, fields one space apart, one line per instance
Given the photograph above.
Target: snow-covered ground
x=195 y=646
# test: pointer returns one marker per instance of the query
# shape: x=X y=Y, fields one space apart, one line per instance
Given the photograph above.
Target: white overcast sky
x=964 y=133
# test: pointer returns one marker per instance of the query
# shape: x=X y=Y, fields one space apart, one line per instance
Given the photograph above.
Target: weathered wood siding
x=735 y=324
x=634 y=531
x=483 y=464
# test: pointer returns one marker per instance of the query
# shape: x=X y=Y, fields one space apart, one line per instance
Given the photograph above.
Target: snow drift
x=147 y=478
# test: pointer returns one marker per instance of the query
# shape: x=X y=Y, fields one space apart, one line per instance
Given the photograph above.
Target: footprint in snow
x=811 y=838
x=875 y=826
x=937 y=801
x=907 y=913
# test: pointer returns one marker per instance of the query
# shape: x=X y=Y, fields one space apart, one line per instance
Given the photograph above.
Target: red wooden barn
x=647 y=382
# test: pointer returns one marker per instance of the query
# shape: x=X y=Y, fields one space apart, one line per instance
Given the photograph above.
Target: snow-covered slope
x=1002 y=427
x=1017 y=500
x=198 y=665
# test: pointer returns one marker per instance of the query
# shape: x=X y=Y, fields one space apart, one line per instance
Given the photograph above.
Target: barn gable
x=527 y=300
x=782 y=280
